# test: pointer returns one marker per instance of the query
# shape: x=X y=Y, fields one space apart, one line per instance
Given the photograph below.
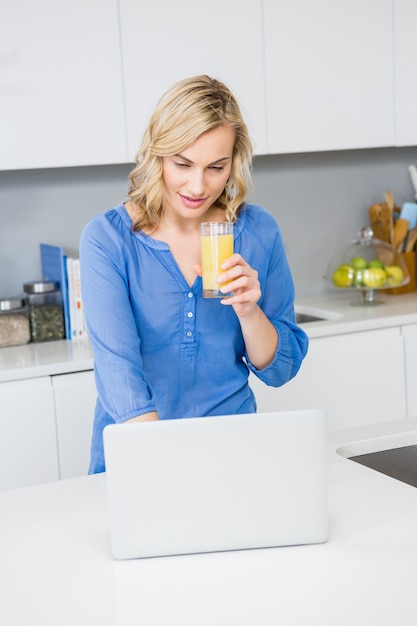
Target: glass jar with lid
x=14 y=322
x=46 y=313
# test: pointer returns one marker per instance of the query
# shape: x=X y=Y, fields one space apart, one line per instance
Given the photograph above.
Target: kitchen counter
x=56 y=566
x=345 y=317
x=60 y=357
x=45 y=359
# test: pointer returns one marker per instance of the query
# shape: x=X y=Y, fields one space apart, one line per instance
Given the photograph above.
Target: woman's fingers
x=241 y=279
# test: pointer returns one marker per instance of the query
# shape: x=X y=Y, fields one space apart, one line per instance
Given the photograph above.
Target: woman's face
x=196 y=177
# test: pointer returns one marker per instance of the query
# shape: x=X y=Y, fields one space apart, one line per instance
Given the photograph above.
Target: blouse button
x=190 y=314
x=190 y=294
x=189 y=334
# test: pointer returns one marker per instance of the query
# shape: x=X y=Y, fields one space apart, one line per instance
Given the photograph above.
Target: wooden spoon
x=400 y=233
x=389 y=199
x=387 y=220
x=375 y=220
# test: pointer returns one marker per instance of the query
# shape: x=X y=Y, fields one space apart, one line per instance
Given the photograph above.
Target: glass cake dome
x=367 y=265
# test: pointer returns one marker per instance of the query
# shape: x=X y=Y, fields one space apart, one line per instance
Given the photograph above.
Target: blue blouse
x=160 y=346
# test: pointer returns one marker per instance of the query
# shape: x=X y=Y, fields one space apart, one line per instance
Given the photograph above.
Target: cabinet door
x=357 y=378
x=61 y=97
x=75 y=399
x=165 y=42
x=410 y=344
x=28 y=451
x=405 y=55
x=329 y=74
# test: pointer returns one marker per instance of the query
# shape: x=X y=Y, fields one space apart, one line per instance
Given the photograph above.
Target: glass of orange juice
x=216 y=245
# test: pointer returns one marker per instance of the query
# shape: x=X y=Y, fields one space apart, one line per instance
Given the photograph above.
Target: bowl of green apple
x=368 y=266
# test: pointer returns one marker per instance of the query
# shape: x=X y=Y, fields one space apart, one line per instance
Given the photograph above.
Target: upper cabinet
x=164 y=42
x=61 y=95
x=329 y=74
x=79 y=79
x=405 y=21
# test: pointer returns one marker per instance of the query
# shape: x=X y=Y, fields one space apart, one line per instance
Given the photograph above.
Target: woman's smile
x=192 y=203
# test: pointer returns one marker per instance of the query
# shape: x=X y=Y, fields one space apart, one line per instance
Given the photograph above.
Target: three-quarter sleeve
x=121 y=385
x=277 y=302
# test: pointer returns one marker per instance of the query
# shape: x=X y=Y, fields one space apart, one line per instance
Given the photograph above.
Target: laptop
x=208 y=484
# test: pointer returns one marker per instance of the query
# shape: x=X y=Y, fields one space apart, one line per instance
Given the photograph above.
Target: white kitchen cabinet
x=75 y=398
x=165 y=42
x=46 y=425
x=405 y=54
x=28 y=451
x=410 y=345
x=61 y=96
x=329 y=74
x=358 y=378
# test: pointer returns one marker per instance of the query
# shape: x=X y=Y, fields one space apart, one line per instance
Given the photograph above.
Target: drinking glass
x=216 y=246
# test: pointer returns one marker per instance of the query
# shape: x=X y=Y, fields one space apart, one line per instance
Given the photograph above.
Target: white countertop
x=56 y=567
x=60 y=357
x=45 y=359
x=393 y=310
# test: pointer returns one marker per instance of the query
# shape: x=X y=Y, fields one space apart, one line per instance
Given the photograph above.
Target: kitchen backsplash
x=320 y=201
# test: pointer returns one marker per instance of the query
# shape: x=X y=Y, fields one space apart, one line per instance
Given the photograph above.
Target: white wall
x=320 y=201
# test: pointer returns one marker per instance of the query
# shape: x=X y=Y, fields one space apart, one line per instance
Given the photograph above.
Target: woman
x=161 y=350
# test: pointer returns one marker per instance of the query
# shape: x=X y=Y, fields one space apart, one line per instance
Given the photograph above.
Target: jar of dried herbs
x=14 y=322
x=46 y=314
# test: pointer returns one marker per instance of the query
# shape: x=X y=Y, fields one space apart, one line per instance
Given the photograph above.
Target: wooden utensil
x=389 y=199
x=375 y=220
x=387 y=220
x=400 y=233
x=411 y=240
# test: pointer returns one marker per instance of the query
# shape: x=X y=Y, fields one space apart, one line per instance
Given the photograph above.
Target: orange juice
x=214 y=250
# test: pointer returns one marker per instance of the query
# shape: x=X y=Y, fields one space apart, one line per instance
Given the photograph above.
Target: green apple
x=376 y=263
x=374 y=277
x=395 y=275
x=343 y=276
x=358 y=278
x=358 y=263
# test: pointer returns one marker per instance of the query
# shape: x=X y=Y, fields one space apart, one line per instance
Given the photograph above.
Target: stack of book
x=63 y=267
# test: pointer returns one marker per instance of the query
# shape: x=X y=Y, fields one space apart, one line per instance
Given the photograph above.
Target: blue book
x=54 y=267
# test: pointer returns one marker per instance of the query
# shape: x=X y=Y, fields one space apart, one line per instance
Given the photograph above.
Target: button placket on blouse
x=189 y=317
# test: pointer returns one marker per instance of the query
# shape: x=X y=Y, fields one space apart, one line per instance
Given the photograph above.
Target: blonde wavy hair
x=188 y=109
